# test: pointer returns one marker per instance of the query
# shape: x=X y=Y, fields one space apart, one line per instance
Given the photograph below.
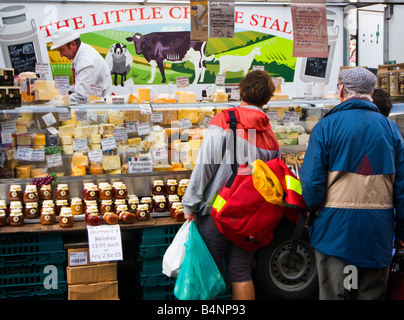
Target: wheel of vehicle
x=284 y=275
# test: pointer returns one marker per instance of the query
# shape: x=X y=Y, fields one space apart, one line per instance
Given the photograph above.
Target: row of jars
x=31 y=193
x=172 y=187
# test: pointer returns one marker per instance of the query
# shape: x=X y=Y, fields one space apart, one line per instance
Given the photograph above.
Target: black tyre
x=281 y=275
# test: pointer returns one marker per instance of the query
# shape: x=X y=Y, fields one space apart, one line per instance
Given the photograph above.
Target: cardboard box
x=92 y=273
x=94 y=291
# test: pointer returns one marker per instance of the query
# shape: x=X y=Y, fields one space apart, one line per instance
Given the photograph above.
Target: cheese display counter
x=81 y=149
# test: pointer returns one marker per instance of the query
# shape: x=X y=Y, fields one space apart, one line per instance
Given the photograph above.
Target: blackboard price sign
x=22 y=57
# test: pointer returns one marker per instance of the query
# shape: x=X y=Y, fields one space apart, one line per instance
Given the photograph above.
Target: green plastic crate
x=33 y=258
x=23 y=243
x=34 y=292
x=159 y=235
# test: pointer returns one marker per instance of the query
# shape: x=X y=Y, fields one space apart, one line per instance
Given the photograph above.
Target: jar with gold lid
x=159 y=204
x=16 y=218
x=105 y=191
x=90 y=192
x=31 y=194
x=66 y=218
x=148 y=201
x=106 y=206
x=133 y=202
x=142 y=212
x=31 y=210
x=59 y=204
x=158 y=187
x=174 y=206
x=48 y=204
x=120 y=208
x=120 y=191
x=91 y=210
x=76 y=206
x=171 y=199
x=171 y=187
x=62 y=192
x=45 y=193
x=15 y=193
x=48 y=216
x=3 y=206
x=182 y=187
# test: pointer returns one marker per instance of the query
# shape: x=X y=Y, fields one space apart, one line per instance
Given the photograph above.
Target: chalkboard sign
x=22 y=57
x=316 y=67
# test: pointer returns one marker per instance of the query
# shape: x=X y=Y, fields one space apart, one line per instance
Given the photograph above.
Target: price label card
x=81 y=115
x=64 y=115
x=136 y=165
x=182 y=82
x=120 y=134
x=235 y=94
x=38 y=155
x=108 y=143
x=92 y=116
x=131 y=126
x=95 y=155
x=95 y=90
x=220 y=78
x=290 y=117
x=145 y=108
x=143 y=128
x=49 y=119
x=8 y=127
x=159 y=154
x=42 y=69
x=272 y=114
x=185 y=124
x=206 y=121
x=104 y=243
x=54 y=160
x=13 y=115
x=24 y=153
x=6 y=138
x=62 y=84
x=80 y=145
x=156 y=117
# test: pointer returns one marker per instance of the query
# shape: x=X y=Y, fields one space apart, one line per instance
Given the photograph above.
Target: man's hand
x=190 y=217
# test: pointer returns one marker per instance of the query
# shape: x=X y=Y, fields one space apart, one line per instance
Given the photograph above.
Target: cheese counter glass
x=99 y=141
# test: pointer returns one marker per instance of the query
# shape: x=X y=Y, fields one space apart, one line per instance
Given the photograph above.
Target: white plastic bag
x=174 y=254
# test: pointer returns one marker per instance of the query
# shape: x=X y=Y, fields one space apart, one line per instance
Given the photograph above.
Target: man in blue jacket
x=353 y=183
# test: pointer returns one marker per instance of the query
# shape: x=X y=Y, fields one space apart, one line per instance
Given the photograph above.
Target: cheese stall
x=73 y=171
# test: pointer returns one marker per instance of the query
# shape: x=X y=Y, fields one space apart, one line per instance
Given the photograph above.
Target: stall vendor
x=89 y=68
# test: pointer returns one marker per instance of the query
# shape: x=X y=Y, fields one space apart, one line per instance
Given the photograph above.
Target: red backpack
x=255 y=198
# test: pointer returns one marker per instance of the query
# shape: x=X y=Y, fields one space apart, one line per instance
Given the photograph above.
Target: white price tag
x=38 y=155
x=235 y=94
x=24 y=153
x=156 y=117
x=9 y=127
x=80 y=145
x=104 y=243
x=95 y=91
x=92 y=116
x=145 y=108
x=65 y=115
x=6 y=138
x=81 y=115
x=143 y=128
x=54 y=160
x=159 y=154
x=95 y=155
x=206 y=121
x=185 y=124
x=136 y=165
x=182 y=82
x=220 y=79
x=131 y=126
x=49 y=119
x=62 y=84
x=108 y=144
x=120 y=134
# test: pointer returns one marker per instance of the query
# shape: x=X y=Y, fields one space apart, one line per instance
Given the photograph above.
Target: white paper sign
x=108 y=143
x=156 y=117
x=185 y=124
x=139 y=166
x=49 y=119
x=182 y=82
x=54 y=160
x=24 y=153
x=95 y=155
x=145 y=108
x=104 y=243
x=143 y=128
x=80 y=145
x=120 y=134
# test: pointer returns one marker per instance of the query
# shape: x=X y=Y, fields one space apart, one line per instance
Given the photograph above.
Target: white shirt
x=89 y=68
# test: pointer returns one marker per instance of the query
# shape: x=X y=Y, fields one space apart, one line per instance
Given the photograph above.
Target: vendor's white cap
x=62 y=36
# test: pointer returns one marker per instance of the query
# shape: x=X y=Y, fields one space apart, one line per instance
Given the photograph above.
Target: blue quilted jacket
x=353 y=179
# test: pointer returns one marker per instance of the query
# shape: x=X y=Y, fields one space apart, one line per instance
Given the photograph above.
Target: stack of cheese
x=185 y=153
x=45 y=90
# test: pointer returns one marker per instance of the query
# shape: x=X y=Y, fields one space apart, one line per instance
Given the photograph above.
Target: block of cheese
x=132 y=99
x=67 y=148
x=78 y=171
x=79 y=160
x=46 y=94
x=220 y=97
x=144 y=94
x=66 y=139
x=186 y=97
x=169 y=115
x=81 y=132
x=191 y=114
x=21 y=128
x=24 y=140
x=93 y=129
x=115 y=117
x=66 y=130
x=106 y=128
x=134 y=141
x=24 y=171
x=92 y=98
x=111 y=163
x=195 y=144
x=95 y=146
x=94 y=138
x=39 y=140
x=61 y=100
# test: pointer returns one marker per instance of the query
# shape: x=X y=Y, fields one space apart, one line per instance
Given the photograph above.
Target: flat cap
x=358 y=79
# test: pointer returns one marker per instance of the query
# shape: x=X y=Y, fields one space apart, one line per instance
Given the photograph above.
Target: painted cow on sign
x=171 y=46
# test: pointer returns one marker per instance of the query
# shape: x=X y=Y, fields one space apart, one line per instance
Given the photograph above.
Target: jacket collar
x=354 y=103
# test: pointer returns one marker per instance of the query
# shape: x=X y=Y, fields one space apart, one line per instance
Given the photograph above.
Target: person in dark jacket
x=353 y=183
x=382 y=100
x=255 y=140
